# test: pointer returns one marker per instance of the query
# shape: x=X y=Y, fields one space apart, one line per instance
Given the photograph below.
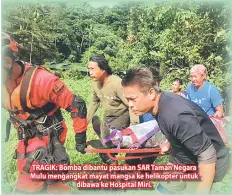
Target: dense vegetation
x=172 y=37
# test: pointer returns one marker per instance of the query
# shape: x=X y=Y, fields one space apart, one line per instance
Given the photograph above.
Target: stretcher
x=130 y=140
x=95 y=146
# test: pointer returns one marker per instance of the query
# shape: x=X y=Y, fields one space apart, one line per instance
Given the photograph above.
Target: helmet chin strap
x=21 y=64
x=10 y=71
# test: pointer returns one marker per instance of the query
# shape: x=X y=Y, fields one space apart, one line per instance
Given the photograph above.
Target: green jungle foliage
x=172 y=37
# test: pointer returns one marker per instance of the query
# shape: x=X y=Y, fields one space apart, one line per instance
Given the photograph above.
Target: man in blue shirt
x=203 y=93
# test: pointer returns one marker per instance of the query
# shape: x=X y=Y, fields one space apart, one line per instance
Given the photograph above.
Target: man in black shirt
x=193 y=137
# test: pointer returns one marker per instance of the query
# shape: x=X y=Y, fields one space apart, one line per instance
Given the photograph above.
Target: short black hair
x=156 y=73
x=179 y=80
x=102 y=62
x=143 y=77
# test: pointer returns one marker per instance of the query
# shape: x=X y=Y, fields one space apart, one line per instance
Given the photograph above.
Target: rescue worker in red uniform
x=33 y=96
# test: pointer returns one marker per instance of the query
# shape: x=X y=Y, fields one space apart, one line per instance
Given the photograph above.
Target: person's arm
x=219 y=111
x=206 y=169
x=93 y=107
x=207 y=172
x=49 y=88
x=189 y=132
x=216 y=100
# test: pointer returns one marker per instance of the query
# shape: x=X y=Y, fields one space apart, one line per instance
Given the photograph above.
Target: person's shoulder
x=43 y=81
x=171 y=104
x=209 y=84
x=166 y=99
x=167 y=94
x=212 y=87
x=168 y=109
x=115 y=78
x=44 y=74
x=115 y=81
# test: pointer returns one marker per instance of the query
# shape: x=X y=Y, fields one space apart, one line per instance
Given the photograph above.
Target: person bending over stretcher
x=193 y=137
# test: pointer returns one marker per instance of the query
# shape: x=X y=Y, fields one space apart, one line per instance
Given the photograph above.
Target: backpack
x=220 y=124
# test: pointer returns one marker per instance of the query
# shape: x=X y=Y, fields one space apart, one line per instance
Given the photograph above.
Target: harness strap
x=25 y=86
x=128 y=131
x=8 y=128
x=28 y=78
x=111 y=136
x=149 y=135
x=74 y=114
x=31 y=156
x=27 y=165
x=28 y=154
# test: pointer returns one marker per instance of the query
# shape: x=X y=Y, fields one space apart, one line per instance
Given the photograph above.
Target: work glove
x=80 y=142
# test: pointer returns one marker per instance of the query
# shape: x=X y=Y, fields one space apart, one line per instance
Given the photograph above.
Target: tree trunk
x=82 y=39
x=31 y=47
x=40 y=56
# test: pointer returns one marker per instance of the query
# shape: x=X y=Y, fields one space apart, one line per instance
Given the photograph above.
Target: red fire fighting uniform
x=43 y=88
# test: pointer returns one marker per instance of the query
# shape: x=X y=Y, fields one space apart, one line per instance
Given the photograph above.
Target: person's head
x=139 y=87
x=98 y=67
x=9 y=47
x=176 y=85
x=198 y=75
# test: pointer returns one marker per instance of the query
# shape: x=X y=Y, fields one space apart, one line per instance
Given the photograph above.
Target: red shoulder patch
x=58 y=86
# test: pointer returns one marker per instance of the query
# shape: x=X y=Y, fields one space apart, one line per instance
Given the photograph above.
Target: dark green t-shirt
x=114 y=104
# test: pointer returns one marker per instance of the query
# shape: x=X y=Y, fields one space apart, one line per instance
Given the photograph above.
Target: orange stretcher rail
x=145 y=152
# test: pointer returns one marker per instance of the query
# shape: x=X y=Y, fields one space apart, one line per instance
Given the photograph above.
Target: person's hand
x=165 y=146
x=219 y=111
x=217 y=115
